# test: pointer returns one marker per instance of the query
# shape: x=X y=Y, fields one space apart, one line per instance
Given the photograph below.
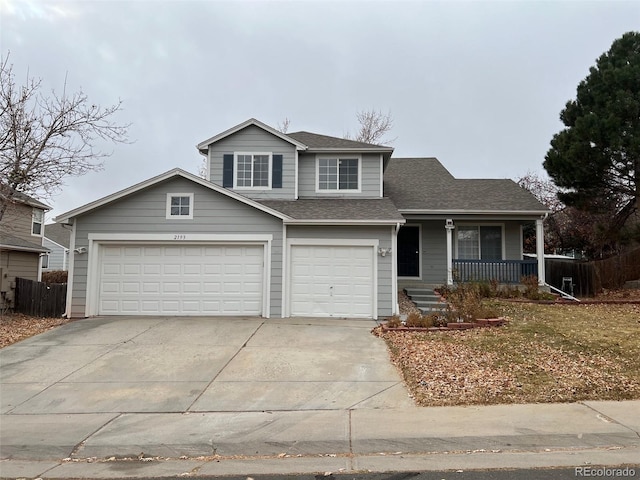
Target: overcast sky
x=477 y=84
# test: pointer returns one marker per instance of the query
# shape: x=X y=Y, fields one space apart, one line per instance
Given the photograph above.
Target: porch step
x=426 y=300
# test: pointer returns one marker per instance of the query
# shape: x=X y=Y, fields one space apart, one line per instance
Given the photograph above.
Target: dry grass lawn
x=546 y=353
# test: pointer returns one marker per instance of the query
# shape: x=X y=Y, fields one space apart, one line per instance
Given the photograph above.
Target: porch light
x=384 y=251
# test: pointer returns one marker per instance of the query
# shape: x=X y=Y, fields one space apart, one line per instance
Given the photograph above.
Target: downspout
x=72 y=246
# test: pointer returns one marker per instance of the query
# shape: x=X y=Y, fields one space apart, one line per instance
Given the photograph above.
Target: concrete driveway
x=184 y=365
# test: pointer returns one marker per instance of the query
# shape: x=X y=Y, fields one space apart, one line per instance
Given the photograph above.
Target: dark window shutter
x=227 y=170
x=276 y=181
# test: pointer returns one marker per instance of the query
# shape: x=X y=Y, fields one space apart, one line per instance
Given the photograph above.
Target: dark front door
x=409 y=251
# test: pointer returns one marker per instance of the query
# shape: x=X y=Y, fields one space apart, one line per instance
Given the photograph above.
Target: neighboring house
x=295 y=224
x=57 y=239
x=21 y=248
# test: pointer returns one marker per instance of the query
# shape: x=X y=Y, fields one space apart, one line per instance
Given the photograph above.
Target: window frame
x=170 y=197
x=34 y=213
x=45 y=260
x=236 y=174
x=339 y=157
x=478 y=226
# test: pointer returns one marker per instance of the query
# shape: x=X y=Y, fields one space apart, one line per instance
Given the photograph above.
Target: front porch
x=443 y=251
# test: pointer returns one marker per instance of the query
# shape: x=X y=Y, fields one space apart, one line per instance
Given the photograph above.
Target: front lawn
x=546 y=353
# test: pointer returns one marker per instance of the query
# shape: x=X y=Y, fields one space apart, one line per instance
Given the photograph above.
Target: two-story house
x=295 y=224
x=21 y=244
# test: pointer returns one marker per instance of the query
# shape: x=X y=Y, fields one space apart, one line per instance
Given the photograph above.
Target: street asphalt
x=167 y=397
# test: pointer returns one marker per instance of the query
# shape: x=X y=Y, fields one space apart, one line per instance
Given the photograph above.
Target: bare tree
x=44 y=139
x=284 y=126
x=374 y=125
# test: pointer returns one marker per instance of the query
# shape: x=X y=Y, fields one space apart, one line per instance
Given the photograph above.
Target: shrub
x=55 y=276
x=464 y=302
x=394 y=322
x=417 y=320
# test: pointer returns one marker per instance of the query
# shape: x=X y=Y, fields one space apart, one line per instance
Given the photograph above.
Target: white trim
x=540 y=251
x=170 y=197
x=72 y=246
x=338 y=190
x=243 y=125
x=34 y=210
x=381 y=175
x=416 y=211
x=179 y=237
x=284 y=273
x=373 y=149
x=176 y=172
x=97 y=240
x=420 y=250
x=342 y=222
x=295 y=174
x=394 y=269
x=336 y=242
x=269 y=155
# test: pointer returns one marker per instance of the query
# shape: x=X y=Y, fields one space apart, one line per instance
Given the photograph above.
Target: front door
x=409 y=251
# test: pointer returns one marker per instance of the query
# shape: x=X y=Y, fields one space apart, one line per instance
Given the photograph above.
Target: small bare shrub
x=417 y=320
x=394 y=322
x=55 y=276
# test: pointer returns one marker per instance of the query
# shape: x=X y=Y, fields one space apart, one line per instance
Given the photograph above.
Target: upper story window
x=180 y=206
x=253 y=170
x=482 y=242
x=338 y=174
x=37 y=218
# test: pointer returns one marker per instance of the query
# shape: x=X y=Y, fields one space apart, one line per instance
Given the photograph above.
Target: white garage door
x=180 y=280
x=332 y=281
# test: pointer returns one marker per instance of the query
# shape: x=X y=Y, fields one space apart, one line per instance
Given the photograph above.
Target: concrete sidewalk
x=226 y=443
x=220 y=396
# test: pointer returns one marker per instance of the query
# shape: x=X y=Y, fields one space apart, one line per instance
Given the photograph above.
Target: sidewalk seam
x=613 y=420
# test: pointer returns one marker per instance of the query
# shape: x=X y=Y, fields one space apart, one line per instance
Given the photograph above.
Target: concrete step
x=433 y=304
x=425 y=298
x=418 y=291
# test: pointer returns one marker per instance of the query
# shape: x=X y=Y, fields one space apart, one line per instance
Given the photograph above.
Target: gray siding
x=254 y=139
x=370 y=182
x=145 y=212
x=56 y=256
x=386 y=296
x=16 y=264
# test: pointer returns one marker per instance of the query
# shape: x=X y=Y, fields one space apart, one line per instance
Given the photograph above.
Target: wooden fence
x=40 y=299
x=589 y=278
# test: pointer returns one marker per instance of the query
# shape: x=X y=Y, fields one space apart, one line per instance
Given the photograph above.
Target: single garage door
x=181 y=279
x=332 y=281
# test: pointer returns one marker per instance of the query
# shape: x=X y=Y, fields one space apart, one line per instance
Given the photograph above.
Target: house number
x=179 y=236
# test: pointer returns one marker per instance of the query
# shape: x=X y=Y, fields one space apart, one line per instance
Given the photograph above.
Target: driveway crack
x=81 y=444
x=224 y=366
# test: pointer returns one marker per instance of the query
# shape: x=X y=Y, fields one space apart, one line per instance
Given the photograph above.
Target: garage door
x=332 y=281
x=180 y=280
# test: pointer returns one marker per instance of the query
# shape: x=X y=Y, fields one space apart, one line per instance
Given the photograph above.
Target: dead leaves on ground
x=547 y=353
x=16 y=326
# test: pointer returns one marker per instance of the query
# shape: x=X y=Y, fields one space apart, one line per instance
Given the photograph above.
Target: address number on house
x=179 y=236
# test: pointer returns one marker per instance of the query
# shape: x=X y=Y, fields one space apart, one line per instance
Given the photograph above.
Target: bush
x=394 y=322
x=417 y=320
x=55 y=276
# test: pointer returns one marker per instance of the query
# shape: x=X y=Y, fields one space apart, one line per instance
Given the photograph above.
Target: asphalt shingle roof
x=8 y=241
x=58 y=233
x=373 y=209
x=424 y=184
x=315 y=140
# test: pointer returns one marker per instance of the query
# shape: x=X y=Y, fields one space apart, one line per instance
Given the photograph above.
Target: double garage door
x=134 y=279
x=181 y=280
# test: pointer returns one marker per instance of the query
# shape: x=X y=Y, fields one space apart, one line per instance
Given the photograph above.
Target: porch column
x=449 y=227
x=540 y=250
